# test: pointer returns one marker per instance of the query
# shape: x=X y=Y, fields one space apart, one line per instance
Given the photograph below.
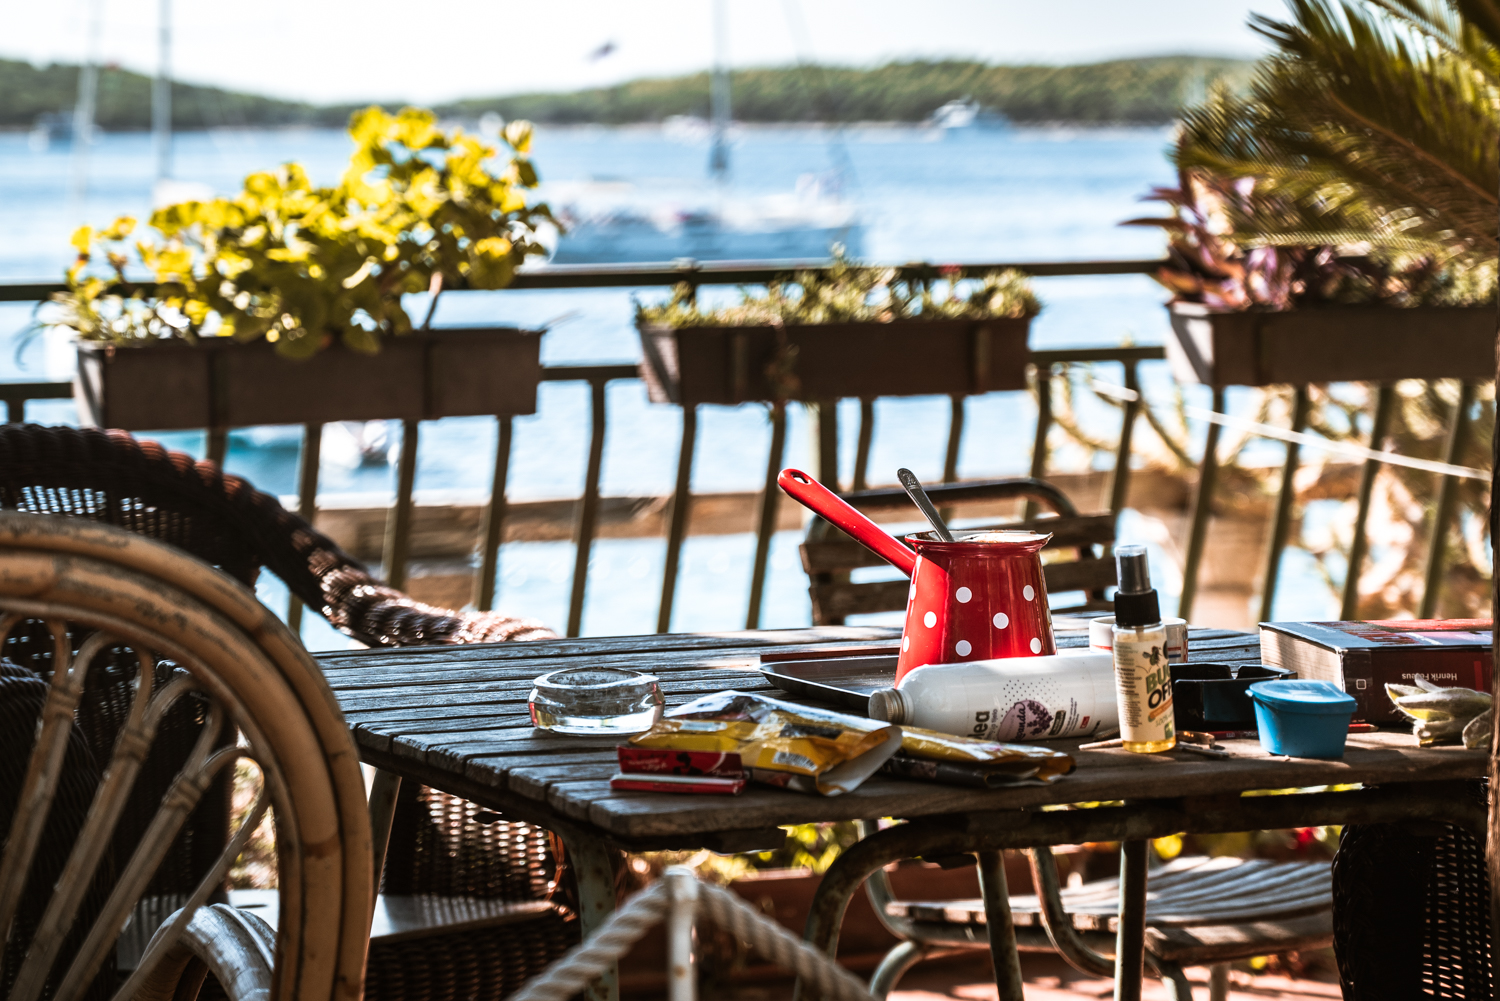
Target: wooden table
x=455 y=718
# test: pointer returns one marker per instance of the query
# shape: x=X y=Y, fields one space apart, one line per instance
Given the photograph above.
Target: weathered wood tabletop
x=456 y=718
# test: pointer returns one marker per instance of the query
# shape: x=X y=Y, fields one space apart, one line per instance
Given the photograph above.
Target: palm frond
x=1374 y=116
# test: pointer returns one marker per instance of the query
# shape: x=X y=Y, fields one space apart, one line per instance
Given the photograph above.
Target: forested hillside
x=1128 y=90
x=1137 y=91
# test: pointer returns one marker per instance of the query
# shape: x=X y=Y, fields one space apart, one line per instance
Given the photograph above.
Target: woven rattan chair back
x=181 y=633
x=110 y=476
x=1411 y=911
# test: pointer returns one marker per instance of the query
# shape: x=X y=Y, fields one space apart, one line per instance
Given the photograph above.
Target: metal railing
x=825 y=417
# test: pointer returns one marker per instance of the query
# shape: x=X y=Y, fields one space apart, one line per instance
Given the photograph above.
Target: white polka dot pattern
x=905 y=643
x=1028 y=592
x=1036 y=645
x=963 y=595
x=1001 y=620
x=962 y=648
x=929 y=620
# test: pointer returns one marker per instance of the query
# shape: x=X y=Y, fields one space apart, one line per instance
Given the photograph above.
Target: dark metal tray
x=844 y=681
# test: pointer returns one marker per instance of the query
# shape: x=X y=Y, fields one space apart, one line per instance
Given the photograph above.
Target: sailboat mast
x=718 y=96
x=161 y=95
x=83 y=111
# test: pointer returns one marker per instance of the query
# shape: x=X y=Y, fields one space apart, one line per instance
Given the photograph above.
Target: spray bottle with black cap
x=1143 y=678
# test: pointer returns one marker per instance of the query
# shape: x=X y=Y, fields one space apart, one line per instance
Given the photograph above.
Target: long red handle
x=822 y=501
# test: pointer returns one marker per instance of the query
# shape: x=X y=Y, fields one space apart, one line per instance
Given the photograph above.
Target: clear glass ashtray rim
x=632 y=680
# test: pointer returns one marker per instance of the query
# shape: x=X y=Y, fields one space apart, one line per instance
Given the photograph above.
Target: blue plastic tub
x=1302 y=719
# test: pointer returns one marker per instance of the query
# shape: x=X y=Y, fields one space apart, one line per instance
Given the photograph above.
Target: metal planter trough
x=731 y=365
x=169 y=385
x=1331 y=344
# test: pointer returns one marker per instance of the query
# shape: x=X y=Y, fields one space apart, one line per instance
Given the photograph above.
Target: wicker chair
x=181 y=634
x=110 y=477
x=1411 y=912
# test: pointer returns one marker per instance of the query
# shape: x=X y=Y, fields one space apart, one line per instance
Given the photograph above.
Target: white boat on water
x=966 y=116
x=613 y=223
x=620 y=224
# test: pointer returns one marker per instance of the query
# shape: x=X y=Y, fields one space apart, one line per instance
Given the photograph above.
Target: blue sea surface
x=1011 y=196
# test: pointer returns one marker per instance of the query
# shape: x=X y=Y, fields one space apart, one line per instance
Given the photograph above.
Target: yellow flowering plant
x=418 y=208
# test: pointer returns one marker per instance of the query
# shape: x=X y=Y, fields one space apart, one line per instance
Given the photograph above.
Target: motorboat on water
x=611 y=224
x=966 y=116
x=615 y=223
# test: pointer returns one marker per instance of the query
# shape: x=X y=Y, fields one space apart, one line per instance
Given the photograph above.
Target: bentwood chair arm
x=232 y=944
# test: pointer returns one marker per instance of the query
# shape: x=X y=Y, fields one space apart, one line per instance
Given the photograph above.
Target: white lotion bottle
x=1142 y=673
x=1069 y=694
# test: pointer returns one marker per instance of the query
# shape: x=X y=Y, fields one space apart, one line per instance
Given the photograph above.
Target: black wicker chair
x=1411 y=912
x=111 y=477
x=22 y=695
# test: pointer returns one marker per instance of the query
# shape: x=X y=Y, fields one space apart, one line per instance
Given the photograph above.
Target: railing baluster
x=1208 y=472
x=1043 y=429
x=398 y=522
x=1282 y=522
x=769 y=501
x=955 y=438
x=492 y=530
x=216 y=445
x=1385 y=403
x=1442 y=511
x=866 y=438
x=677 y=518
x=1119 y=487
x=825 y=417
x=307 y=504
x=588 y=509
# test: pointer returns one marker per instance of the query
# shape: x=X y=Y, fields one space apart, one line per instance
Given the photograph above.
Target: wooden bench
x=828 y=555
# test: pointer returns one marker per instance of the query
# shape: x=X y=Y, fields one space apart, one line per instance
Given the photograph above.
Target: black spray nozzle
x=1134 y=573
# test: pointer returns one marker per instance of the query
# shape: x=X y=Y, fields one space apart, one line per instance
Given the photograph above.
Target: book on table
x=1364 y=657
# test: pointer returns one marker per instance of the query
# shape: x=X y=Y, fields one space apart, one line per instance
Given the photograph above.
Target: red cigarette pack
x=667 y=761
x=702 y=784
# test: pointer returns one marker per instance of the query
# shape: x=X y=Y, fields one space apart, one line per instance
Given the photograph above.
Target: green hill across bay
x=1136 y=91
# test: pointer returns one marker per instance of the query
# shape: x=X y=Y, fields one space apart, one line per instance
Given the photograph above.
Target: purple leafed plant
x=1207 y=265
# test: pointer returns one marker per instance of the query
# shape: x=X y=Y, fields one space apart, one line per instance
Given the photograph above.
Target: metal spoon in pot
x=924 y=503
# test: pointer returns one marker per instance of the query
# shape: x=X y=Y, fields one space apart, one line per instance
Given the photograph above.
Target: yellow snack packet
x=780 y=743
x=988 y=754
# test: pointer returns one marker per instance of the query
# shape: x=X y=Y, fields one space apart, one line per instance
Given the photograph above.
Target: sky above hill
x=343 y=50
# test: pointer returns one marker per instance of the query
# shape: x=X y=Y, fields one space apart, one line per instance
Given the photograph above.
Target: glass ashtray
x=588 y=700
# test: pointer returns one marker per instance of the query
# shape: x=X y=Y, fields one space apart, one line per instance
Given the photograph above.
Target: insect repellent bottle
x=1069 y=694
x=1143 y=677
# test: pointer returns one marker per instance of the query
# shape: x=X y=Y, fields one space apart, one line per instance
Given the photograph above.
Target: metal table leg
x=998 y=922
x=384 y=791
x=594 y=864
x=1130 y=948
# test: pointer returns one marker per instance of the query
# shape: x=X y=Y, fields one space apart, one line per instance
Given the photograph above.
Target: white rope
x=583 y=963
x=586 y=961
x=1311 y=441
x=779 y=945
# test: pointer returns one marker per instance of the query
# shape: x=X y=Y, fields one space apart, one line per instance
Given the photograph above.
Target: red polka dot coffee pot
x=979 y=597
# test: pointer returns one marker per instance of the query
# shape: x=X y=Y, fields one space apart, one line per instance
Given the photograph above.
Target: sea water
x=1042 y=194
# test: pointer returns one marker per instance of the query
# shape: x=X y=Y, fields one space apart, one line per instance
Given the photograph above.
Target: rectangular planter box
x=169 y=385
x=728 y=365
x=1331 y=344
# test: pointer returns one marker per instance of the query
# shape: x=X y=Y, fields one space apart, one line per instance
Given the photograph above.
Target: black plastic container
x=1215 y=697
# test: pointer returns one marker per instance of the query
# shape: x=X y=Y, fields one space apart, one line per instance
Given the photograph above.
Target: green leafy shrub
x=299 y=265
x=852 y=293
